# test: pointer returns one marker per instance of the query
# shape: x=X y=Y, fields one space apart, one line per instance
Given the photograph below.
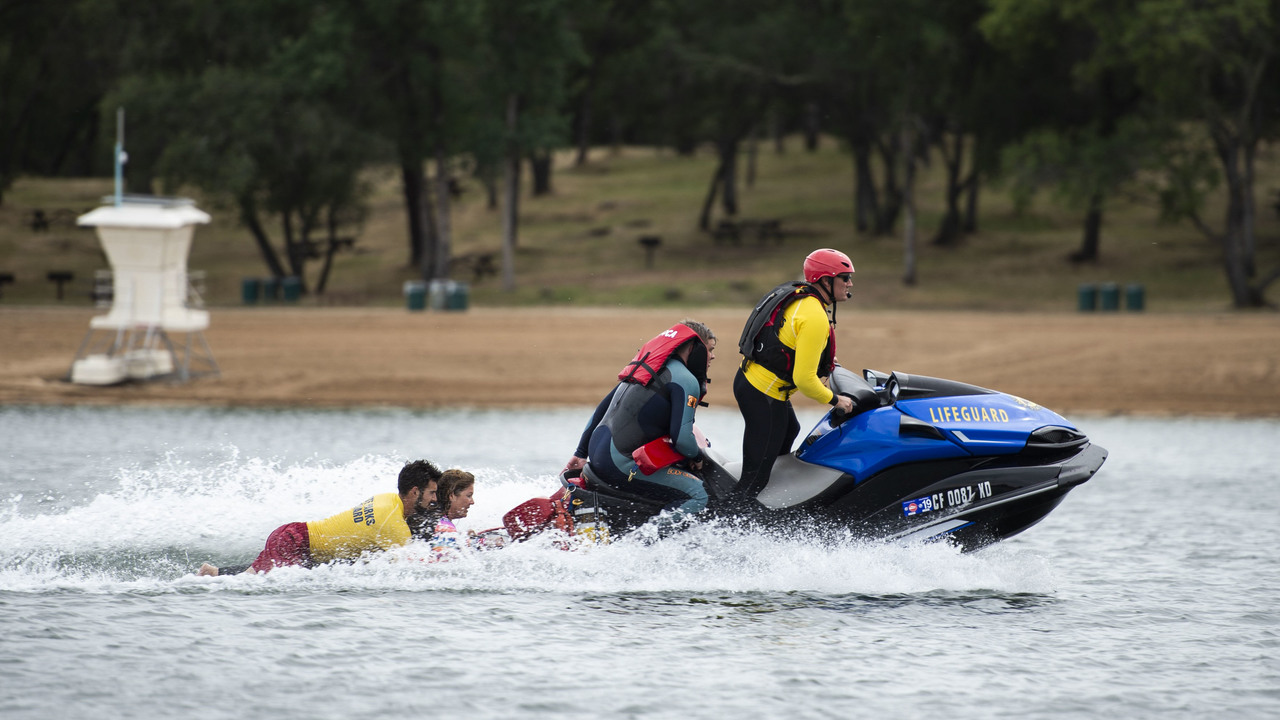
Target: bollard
x=1087 y=295
x=415 y=295
x=1134 y=297
x=1109 y=296
x=249 y=288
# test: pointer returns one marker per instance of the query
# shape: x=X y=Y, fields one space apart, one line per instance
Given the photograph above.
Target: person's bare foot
x=207 y=570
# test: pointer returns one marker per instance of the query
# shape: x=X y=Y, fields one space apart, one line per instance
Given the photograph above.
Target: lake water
x=1152 y=591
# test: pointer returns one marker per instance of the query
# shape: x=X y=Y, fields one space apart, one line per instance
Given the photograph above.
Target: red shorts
x=289 y=544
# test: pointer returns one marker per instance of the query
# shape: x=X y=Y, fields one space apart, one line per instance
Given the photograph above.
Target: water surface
x=1150 y=592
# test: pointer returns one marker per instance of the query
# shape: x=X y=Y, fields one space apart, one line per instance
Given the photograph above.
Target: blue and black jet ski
x=930 y=460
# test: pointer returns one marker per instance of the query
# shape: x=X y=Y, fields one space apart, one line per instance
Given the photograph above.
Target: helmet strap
x=831 y=295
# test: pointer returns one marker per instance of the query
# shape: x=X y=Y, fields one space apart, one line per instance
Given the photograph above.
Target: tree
x=57 y=62
x=609 y=31
x=405 y=77
x=1092 y=132
x=1212 y=67
x=725 y=62
x=529 y=50
x=253 y=128
x=905 y=43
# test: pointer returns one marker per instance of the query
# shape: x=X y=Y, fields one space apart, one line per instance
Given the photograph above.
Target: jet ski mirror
x=875 y=378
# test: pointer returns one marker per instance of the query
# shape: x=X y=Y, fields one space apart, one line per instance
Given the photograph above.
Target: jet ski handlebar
x=856 y=387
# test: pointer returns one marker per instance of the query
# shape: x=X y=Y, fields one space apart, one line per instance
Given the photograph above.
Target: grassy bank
x=580 y=245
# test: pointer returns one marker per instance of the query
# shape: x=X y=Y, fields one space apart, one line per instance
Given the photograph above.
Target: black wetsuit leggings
x=771 y=429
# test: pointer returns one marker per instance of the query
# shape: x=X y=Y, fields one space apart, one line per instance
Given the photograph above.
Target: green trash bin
x=270 y=289
x=457 y=297
x=1134 y=297
x=1109 y=296
x=291 y=287
x=249 y=288
x=1087 y=295
x=415 y=295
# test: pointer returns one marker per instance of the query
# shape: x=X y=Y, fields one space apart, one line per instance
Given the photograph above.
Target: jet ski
x=926 y=460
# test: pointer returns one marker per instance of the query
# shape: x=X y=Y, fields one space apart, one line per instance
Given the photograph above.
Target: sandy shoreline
x=1146 y=364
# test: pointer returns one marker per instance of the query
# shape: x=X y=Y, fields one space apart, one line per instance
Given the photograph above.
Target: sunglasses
x=845 y=277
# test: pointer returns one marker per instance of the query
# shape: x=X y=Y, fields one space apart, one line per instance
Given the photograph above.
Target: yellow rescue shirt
x=805 y=329
x=376 y=524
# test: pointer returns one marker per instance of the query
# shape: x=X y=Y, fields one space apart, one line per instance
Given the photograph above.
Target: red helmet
x=824 y=263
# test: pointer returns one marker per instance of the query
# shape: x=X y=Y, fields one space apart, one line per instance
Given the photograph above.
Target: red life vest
x=655 y=455
x=655 y=353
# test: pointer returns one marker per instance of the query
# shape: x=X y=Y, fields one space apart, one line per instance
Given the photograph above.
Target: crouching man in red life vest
x=379 y=523
x=656 y=397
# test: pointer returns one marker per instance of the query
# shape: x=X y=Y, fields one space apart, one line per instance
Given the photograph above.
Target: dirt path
x=1119 y=363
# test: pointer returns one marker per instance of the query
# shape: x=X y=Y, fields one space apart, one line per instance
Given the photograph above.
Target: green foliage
x=276 y=106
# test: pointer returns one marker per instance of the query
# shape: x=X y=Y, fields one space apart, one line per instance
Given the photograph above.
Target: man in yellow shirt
x=379 y=523
x=789 y=345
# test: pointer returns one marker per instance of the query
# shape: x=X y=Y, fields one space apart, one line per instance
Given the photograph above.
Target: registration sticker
x=917 y=506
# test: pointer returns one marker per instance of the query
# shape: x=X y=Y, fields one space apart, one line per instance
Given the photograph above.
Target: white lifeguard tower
x=147 y=240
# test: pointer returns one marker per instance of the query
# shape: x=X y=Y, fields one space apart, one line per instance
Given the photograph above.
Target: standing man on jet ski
x=789 y=345
x=647 y=415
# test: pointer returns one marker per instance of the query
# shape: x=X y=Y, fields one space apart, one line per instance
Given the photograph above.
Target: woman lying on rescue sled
x=653 y=404
x=454 y=498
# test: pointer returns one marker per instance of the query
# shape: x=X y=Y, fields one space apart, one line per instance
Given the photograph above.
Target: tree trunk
x=704 y=220
x=1091 y=239
x=490 y=190
x=1248 y=212
x=1236 y=251
x=892 y=206
x=908 y=197
x=776 y=131
x=290 y=243
x=511 y=191
x=540 y=170
x=866 y=204
x=1234 y=255
x=332 y=246
x=811 y=126
x=583 y=125
x=249 y=218
x=949 y=232
x=970 y=224
x=584 y=135
x=444 y=223
x=427 y=221
x=411 y=181
x=728 y=176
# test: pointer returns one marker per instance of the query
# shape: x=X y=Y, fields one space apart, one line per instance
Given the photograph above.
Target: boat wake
x=153 y=527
